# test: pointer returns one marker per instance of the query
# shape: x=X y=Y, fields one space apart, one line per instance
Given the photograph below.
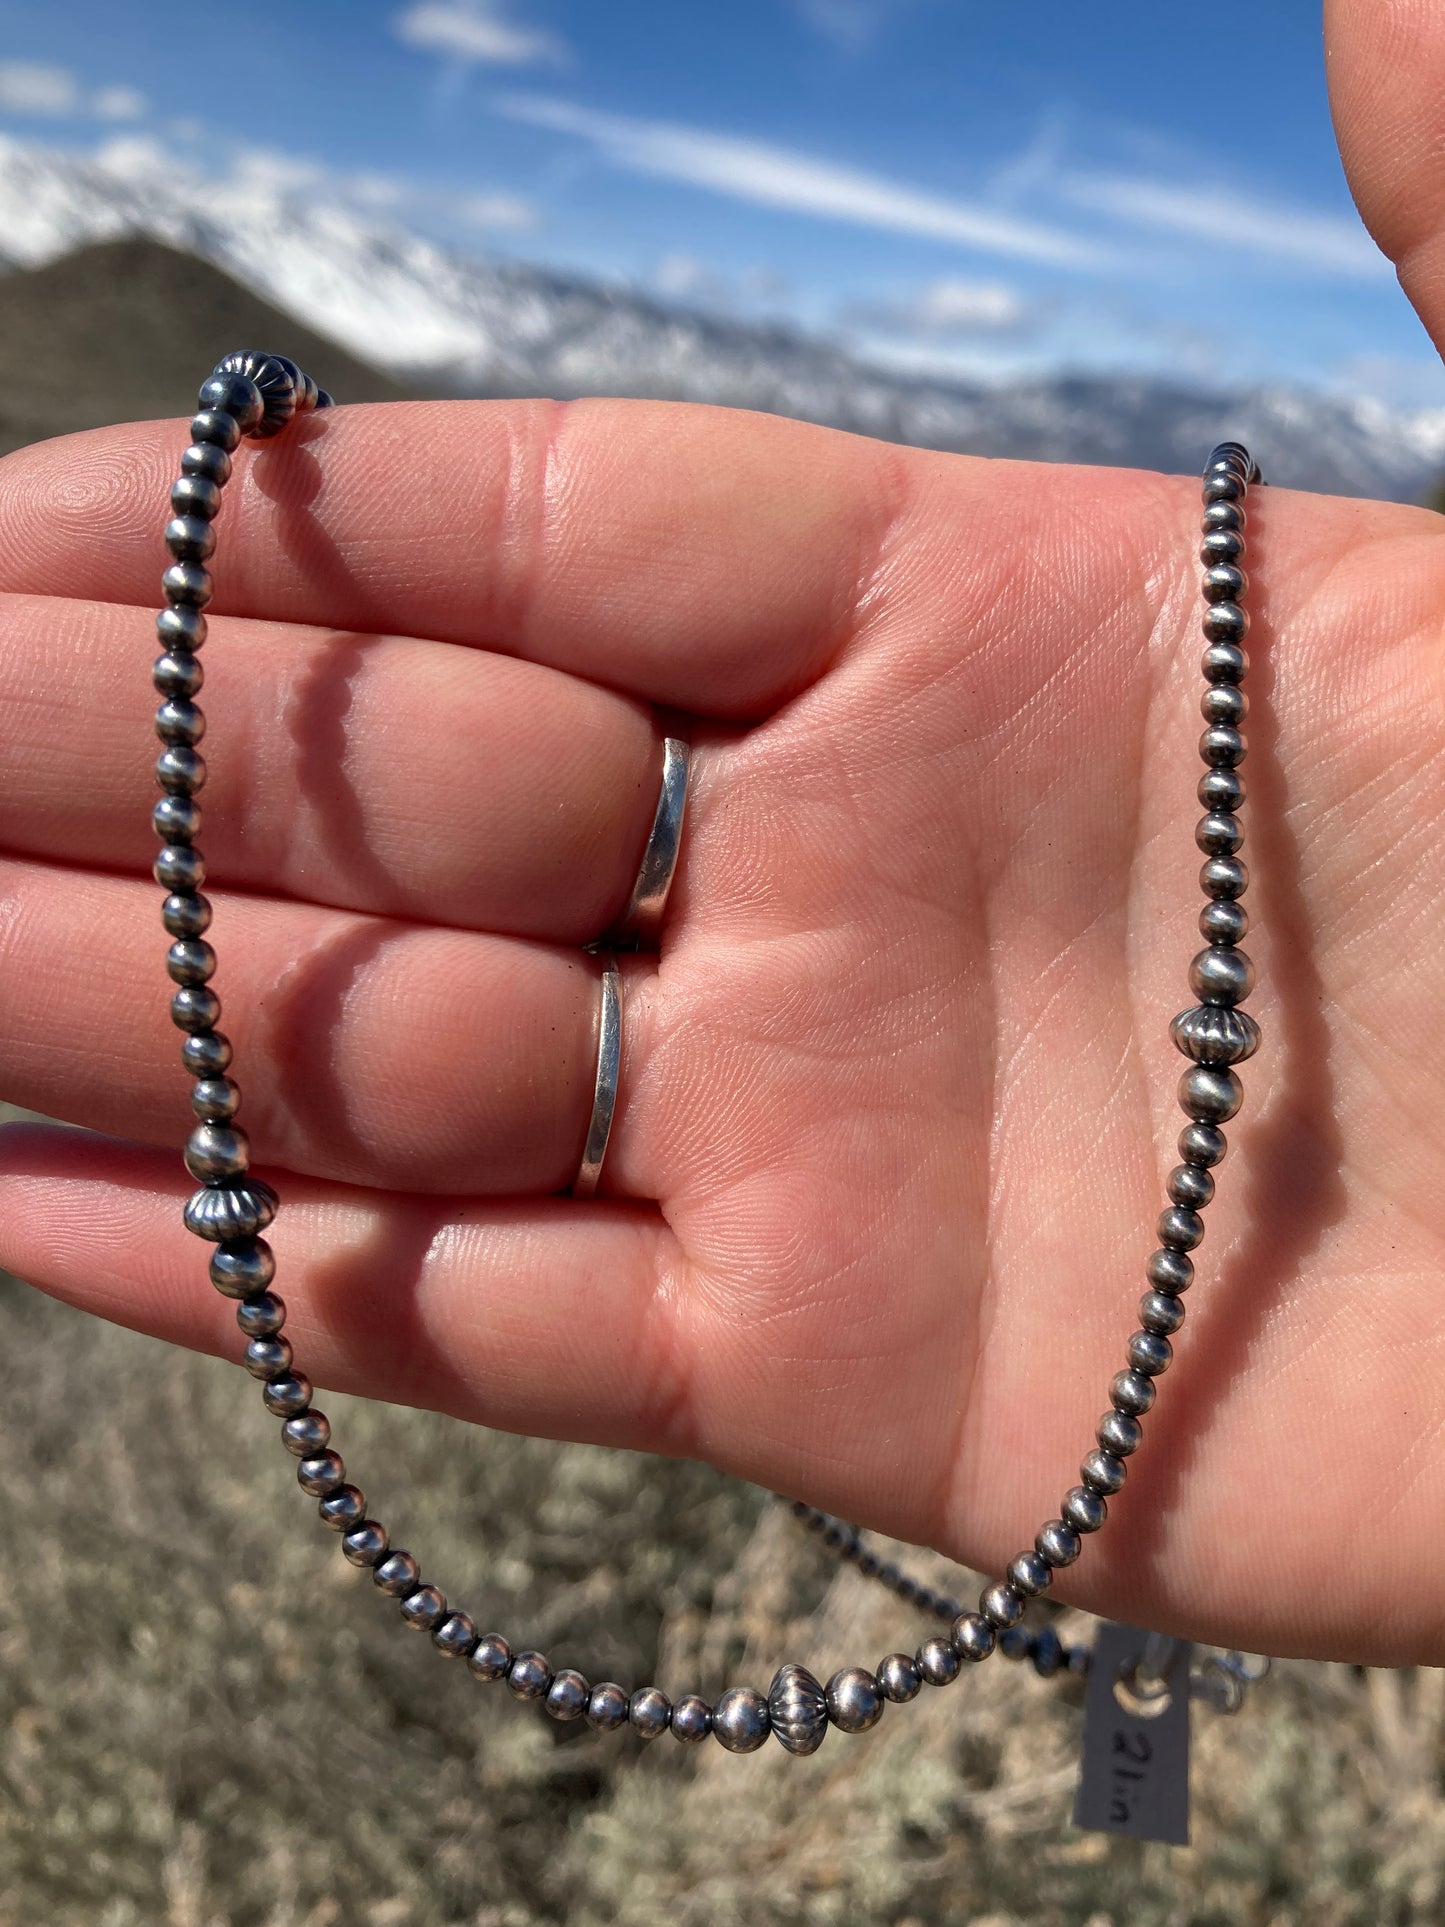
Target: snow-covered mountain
x=460 y=325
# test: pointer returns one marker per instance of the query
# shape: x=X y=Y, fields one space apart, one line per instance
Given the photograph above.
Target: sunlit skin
x=898 y=1096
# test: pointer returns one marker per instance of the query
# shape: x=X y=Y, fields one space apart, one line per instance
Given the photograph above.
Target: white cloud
x=778 y=177
x=508 y=212
x=951 y=306
x=1331 y=244
x=118 y=103
x=682 y=277
x=135 y=158
x=849 y=24
x=475 y=30
x=28 y=88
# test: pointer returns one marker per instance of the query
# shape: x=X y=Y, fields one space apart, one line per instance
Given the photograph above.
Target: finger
x=409 y=779
x=1386 y=65
x=381 y=1053
x=491 y=1313
x=702 y=558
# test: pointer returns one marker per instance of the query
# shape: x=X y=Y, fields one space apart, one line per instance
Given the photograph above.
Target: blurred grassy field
x=207 y=1719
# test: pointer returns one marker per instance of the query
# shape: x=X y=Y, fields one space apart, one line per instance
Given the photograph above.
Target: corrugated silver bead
x=797 y=1710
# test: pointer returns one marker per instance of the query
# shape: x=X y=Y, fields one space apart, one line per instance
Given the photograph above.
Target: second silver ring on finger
x=642 y=919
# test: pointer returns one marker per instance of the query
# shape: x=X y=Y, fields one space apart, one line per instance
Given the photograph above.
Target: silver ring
x=643 y=916
x=604 y=1094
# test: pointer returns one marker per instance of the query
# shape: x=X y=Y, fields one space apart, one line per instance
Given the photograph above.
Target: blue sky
x=994 y=190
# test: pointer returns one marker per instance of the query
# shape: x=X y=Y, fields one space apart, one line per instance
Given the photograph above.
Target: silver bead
x=1215 y=1034
x=1218 y=834
x=456 y=1636
x=190 y=538
x=1221 y=789
x=217 y=1151
x=1222 y=974
x=529 y=1676
x=1120 y=1432
x=1190 y=1185
x=278 y=380
x=1170 y=1270
x=176 y=819
x=196 y=495
x=853 y=1700
x=1226 y=622
x=1224 y=702
x=186 y=916
x=322 y=1473
x=180 y=770
x=1103 y=1472
x=1220 y=545
x=230 y=390
x=284 y=1397
x=206 y=1054
x=607 y=1708
x=1203 y=1144
x=268 y=1357
x=180 y=869
x=215 y=427
x=1133 y=1392
x=973 y=1637
x=1222 y=747
x=243 y=1269
x=208 y=462
x=568 y=1694
x=306 y=1434
x=649 y=1711
x=797 y=1710
x=1221 y=485
x=1058 y=1543
x=1210 y=1094
x=397 y=1575
x=1224 y=660
x=179 y=721
x=490 y=1657
x=1030 y=1573
x=1158 y=1312
x=1223 y=515
x=1180 y=1230
x=1084 y=1510
x=740 y=1720
x=938 y=1662
x=1148 y=1353
x=691 y=1719
x=188 y=585
x=1224 y=583
x=216 y=1099
x=176 y=674
x=1002 y=1605
x=425 y=1608
x=231 y=1213
x=366 y=1544
x=899 y=1679
x=344 y=1509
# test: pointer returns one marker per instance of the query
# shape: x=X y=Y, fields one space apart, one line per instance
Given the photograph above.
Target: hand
x=897 y=1102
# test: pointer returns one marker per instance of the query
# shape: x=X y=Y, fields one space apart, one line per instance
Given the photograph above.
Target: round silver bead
x=320 y=1473
x=489 y=1658
x=691 y=1719
x=1002 y=1605
x=1149 y=1353
x=344 y=1509
x=1057 y=1543
x=1132 y=1392
x=1030 y=1573
x=306 y=1434
x=456 y=1636
x=243 y=1269
x=740 y=1720
x=1223 y=975
x=1158 y=1312
x=366 y=1544
x=397 y=1575
x=1190 y=1186
x=425 y=1609
x=898 y=1678
x=1120 y=1432
x=1103 y=1472
x=938 y=1662
x=529 y=1676
x=1210 y=1094
x=1170 y=1270
x=217 y=1151
x=1203 y=1144
x=649 y=1711
x=568 y=1694
x=606 y=1707
x=285 y=1397
x=854 y=1701
x=1084 y=1510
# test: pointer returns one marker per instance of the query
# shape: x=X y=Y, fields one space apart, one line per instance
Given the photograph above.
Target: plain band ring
x=604 y=1095
x=643 y=916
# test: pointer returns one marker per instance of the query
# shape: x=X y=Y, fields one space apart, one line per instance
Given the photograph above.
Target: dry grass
x=208 y=1720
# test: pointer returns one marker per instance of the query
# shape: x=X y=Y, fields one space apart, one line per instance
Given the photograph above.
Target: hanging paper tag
x=1134 y=1768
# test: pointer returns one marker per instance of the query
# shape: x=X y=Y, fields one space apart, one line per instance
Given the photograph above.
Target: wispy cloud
x=29 y=87
x=1327 y=243
x=850 y=24
x=779 y=177
x=950 y=309
x=476 y=31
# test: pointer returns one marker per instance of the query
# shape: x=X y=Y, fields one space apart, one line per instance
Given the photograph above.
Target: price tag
x=1134 y=1768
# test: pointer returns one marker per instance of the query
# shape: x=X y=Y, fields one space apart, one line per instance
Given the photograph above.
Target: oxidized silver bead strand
x=253 y=395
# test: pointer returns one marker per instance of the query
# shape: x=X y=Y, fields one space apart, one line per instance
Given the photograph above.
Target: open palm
x=898 y=1094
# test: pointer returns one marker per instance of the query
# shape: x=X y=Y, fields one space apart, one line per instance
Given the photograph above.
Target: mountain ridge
x=438 y=321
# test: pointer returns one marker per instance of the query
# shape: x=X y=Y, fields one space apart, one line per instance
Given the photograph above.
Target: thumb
x=1386 y=65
